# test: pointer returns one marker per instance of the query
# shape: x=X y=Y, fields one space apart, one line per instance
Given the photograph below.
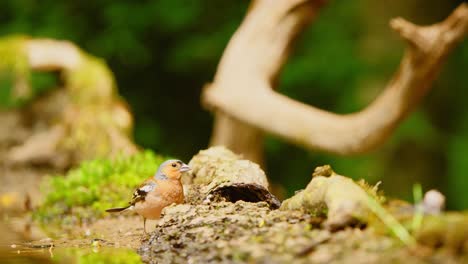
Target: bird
x=157 y=192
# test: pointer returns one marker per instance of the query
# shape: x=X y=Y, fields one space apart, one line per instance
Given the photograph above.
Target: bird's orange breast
x=166 y=193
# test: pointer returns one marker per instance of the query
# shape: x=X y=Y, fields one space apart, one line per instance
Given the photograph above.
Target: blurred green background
x=163 y=51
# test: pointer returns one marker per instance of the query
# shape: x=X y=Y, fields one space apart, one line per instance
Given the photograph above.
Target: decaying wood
x=344 y=201
x=206 y=230
x=219 y=174
x=243 y=99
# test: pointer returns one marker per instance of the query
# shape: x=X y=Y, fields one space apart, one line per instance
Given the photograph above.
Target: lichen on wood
x=340 y=198
x=449 y=231
x=221 y=174
x=242 y=232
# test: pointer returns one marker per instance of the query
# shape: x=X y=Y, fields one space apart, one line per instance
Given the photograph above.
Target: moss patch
x=18 y=84
x=85 y=192
x=92 y=83
x=13 y=69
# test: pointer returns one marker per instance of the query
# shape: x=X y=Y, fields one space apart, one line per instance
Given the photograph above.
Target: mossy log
x=81 y=120
x=219 y=174
x=58 y=107
x=211 y=227
x=340 y=198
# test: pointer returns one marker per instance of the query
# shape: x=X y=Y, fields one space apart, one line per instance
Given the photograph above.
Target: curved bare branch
x=243 y=85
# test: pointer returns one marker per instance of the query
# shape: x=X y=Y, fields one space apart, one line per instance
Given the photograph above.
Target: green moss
x=13 y=67
x=372 y=190
x=85 y=192
x=18 y=84
x=92 y=83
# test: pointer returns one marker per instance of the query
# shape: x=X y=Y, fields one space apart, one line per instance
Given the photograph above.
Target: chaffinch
x=157 y=192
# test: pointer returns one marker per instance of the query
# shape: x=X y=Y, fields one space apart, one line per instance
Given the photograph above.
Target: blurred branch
x=242 y=92
x=254 y=57
x=47 y=54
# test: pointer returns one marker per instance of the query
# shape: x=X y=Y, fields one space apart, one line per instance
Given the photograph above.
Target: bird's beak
x=184 y=168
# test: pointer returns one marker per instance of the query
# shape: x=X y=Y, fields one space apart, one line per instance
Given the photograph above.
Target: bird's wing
x=141 y=192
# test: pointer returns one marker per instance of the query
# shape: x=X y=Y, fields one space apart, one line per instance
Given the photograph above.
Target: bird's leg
x=144 y=225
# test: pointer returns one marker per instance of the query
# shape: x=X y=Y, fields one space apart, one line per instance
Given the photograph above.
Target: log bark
x=220 y=175
x=243 y=99
x=344 y=202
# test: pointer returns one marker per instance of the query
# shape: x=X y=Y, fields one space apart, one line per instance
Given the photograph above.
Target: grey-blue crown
x=159 y=174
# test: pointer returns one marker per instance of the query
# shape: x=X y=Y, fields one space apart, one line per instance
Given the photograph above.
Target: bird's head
x=171 y=169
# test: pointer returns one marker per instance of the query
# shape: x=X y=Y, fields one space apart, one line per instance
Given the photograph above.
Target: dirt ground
x=214 y=232
x=243 y=232
x=220 y=232
x=22 y=239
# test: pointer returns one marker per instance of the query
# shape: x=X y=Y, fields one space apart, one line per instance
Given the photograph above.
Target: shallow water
x=48 y=254
x=110 y=240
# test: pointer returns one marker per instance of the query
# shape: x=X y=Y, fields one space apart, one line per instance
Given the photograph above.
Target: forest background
x=162 y=52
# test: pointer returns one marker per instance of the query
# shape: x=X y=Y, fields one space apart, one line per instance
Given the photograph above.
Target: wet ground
x=23 y=241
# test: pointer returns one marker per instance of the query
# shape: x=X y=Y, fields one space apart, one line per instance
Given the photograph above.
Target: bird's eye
x=174 y=165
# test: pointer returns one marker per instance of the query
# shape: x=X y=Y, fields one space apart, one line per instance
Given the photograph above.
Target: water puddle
x=47 y=253
x=110 y=240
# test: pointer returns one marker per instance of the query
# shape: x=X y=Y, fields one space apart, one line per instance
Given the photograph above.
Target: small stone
x=433 y=202
x=261 y=223
x=46 y=240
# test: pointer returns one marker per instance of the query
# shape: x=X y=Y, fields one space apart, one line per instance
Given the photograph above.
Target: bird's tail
x=118 y=209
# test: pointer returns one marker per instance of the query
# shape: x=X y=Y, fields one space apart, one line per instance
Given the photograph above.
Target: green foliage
x=458 y=168
x=419 y=210
x=390 y=222
x=87 y=191
x=92 y=82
